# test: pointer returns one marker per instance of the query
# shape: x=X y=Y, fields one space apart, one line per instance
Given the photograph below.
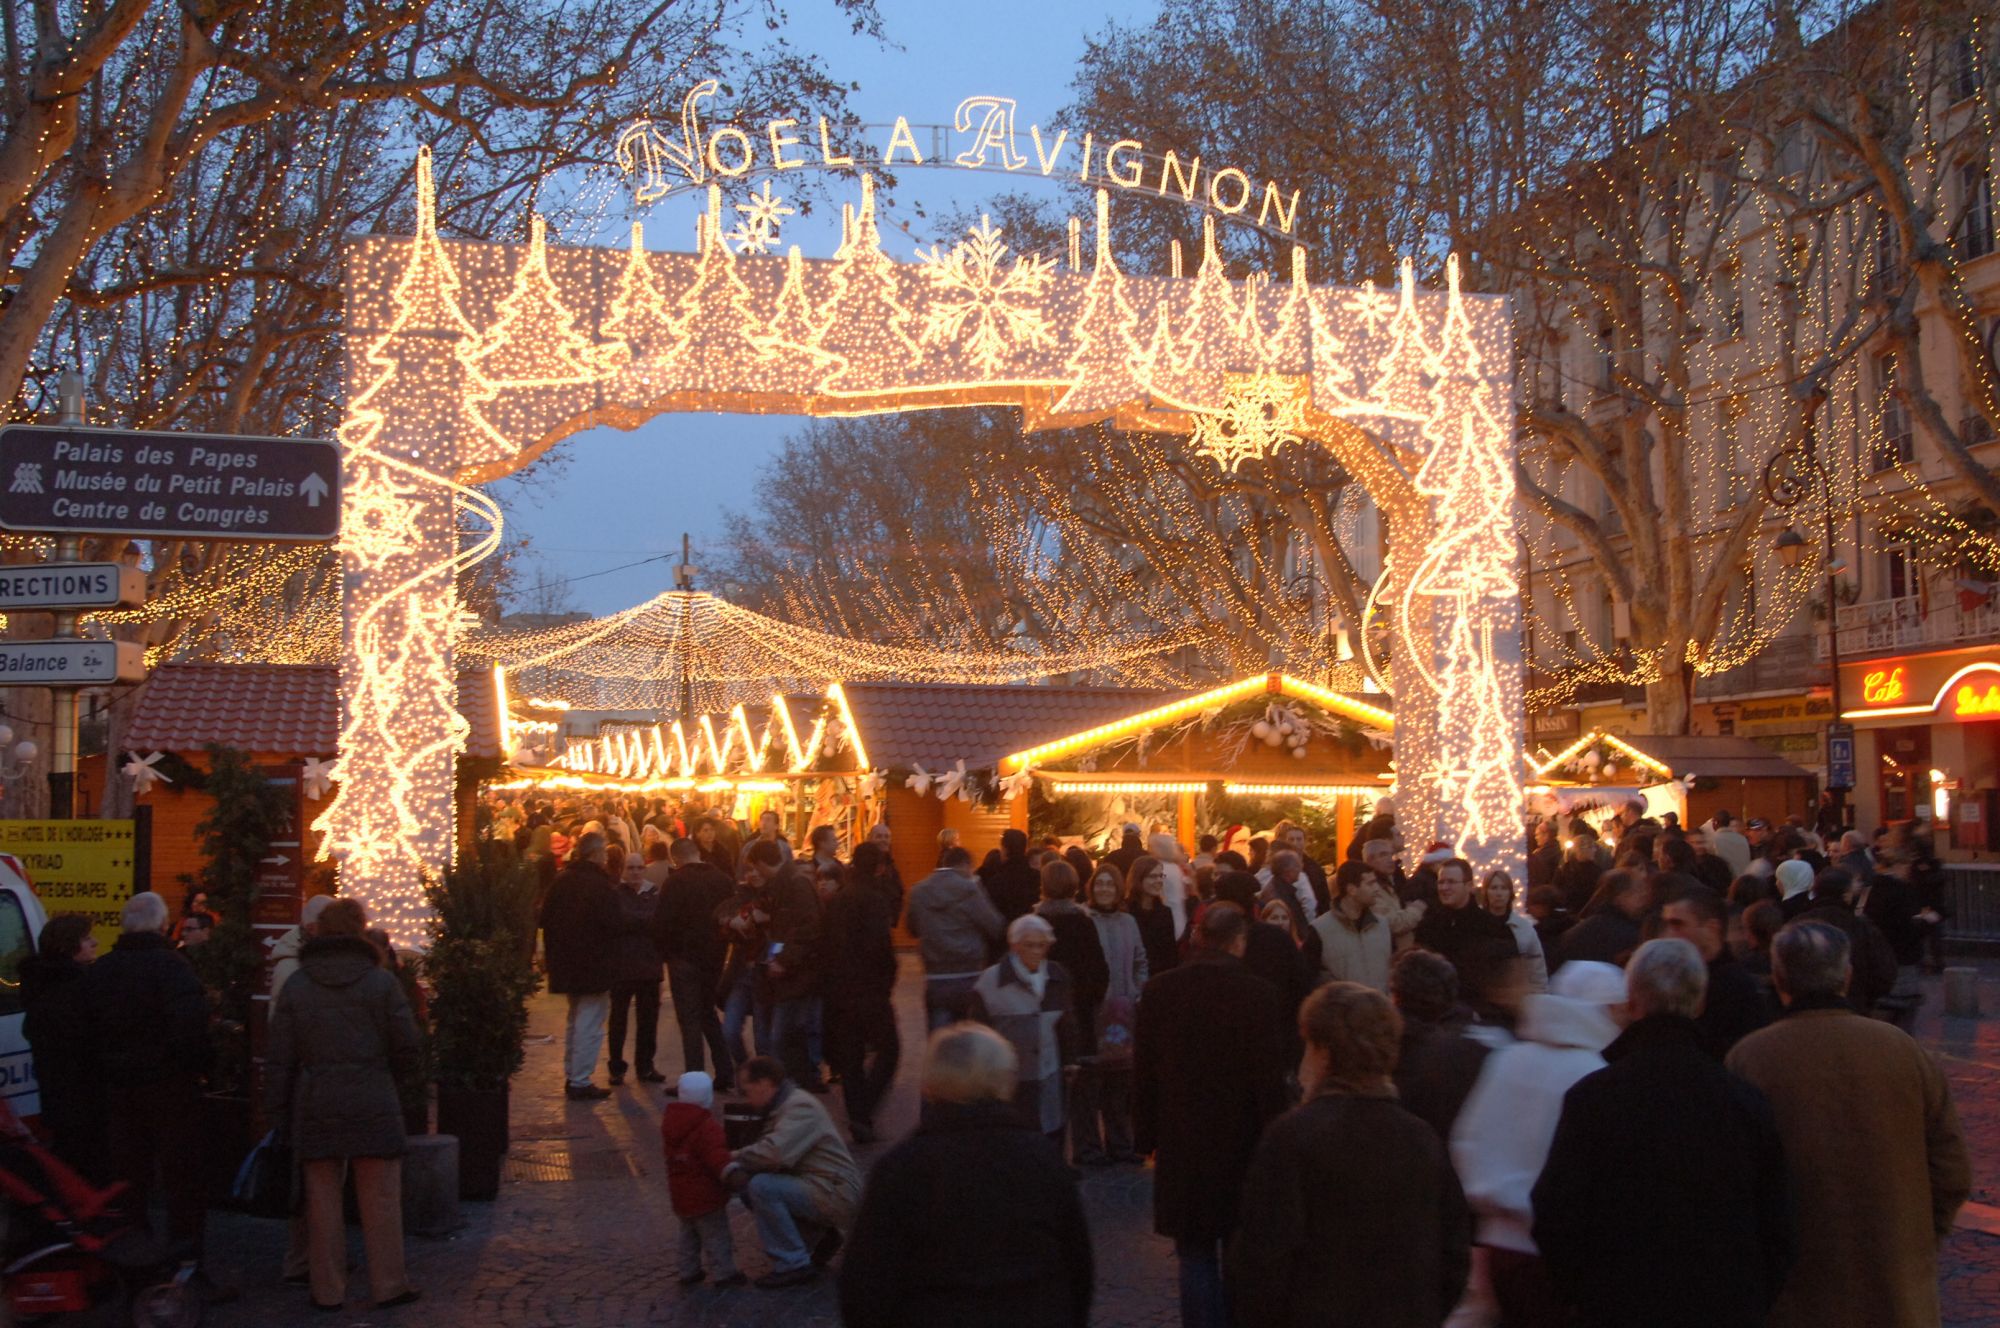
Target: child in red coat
x=696 y=1155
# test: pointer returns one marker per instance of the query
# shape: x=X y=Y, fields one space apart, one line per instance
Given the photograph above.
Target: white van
x=21 y=919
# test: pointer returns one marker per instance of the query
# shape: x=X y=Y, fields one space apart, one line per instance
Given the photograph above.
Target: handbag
x=1116 y=1022
x=264 y=1183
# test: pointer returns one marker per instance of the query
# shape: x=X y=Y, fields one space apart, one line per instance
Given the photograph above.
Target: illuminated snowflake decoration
x=992 y=309
x=1260 y=413
x=378 y=519
x=763 y=215
x=1373 y=306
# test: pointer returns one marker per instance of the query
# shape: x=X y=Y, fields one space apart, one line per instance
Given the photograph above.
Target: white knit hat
x=696 y=1089
x=1590 y=982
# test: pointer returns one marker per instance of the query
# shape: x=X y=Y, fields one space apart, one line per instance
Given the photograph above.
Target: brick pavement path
x=596 y=1251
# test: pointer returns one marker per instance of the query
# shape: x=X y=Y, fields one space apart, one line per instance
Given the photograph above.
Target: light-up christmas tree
x=1107 y=345
x=639 y=319
x=1401 y=385
x=719 y=349
x=866 y=328
x=422 y=418
x=1211 y=344
x=1468 y=572
x=790 y=341
x=543 y=365
x=1283 y=349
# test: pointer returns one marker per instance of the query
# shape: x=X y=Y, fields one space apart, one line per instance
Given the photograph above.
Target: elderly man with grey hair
x=580 y=920
x=145 y=1017
x=1878 y=1163
x=1664 y=1199
x=1026 y=999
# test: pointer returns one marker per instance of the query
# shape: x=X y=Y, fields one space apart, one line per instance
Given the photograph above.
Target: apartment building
x=1915 y=611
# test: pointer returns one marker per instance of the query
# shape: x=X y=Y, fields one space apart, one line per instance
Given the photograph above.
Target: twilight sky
x=618 y=497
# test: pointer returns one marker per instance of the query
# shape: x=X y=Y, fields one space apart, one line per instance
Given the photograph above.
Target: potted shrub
x=248 y=813
x=480 y=982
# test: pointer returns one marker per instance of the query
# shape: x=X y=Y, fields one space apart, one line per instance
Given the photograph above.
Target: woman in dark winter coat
x=340 y=1038
x=1145 y=896
x=51 y=990
x=1351 y=1212
x=972 y=1221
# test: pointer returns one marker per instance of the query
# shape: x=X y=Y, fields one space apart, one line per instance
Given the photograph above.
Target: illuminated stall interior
x=1239 y=756
x=1692 y=775
x=981 y=758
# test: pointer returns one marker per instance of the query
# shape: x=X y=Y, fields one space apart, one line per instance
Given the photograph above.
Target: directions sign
x=199 y=486
x=71 y=586
x=70 y=663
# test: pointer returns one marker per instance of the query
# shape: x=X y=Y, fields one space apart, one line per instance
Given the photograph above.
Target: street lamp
x=1787 y=477
x=14 y=763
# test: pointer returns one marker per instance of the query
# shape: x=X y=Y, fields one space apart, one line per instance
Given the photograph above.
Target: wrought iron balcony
x=1886 y=626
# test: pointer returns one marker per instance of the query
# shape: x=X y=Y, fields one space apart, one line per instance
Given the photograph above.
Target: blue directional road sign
x=1840 y=756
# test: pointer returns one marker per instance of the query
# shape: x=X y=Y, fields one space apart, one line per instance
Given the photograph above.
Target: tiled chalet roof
x=288 y=709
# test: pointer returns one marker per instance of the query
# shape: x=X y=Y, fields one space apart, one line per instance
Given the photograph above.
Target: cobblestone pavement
x=582 y=1235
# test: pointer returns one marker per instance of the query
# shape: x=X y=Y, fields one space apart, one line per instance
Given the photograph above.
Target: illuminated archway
x=468 y=360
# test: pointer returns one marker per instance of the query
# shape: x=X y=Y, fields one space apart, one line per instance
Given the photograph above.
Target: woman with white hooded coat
x=1503 y=1133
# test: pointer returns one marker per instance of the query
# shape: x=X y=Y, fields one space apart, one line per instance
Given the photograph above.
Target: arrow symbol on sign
x=314 y=488
x=277 y=860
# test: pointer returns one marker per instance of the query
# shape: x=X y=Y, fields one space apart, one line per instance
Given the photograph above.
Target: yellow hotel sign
x=77 y=867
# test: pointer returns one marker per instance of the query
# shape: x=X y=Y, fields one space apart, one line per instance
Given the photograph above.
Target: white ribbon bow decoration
x=919 y=781
x=951 y=784
x=316 y=779
x=1019 y=784
x=142 y=773
x=873 y=783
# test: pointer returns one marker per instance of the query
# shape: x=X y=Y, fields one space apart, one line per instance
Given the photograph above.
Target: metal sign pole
x=62 y=759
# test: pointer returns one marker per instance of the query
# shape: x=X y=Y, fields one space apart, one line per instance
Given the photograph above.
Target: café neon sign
x=663 y=161
x=1961 y=696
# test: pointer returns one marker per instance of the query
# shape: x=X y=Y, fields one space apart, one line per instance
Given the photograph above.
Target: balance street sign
x=70 y=663
x=196 y=486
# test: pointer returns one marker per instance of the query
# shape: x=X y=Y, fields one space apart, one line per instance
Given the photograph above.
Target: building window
x=1900 y=579
x=1886 y=272
x=1973 y=426
x=1894 y=444
x=1975 y=226
x=1964 y=69
x=1607 y=359
x=1729 y=301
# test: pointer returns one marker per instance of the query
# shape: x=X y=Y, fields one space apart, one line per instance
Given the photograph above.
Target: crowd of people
x=1383 y=1088
x=123 y=1043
